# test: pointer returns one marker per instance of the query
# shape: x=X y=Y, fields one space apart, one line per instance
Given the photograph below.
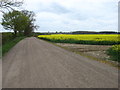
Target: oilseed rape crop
x=95 y=39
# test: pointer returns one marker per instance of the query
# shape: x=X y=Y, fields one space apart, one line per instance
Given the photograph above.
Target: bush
x=114 y=52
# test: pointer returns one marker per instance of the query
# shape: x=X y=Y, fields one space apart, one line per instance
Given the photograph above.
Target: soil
x=97 y=51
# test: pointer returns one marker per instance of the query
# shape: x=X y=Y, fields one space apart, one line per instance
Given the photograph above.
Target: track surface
x=35 y=63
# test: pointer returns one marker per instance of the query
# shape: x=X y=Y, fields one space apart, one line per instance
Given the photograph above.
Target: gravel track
x=35 y=63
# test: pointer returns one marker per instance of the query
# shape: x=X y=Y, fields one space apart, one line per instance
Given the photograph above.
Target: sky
x=73 y=15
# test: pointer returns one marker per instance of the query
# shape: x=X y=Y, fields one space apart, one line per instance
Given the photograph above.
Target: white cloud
x=69 y=15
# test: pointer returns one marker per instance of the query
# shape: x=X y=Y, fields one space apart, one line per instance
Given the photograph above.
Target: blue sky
x=74 y=15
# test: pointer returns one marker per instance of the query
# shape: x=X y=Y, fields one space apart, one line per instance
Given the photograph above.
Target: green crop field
x=95 y=39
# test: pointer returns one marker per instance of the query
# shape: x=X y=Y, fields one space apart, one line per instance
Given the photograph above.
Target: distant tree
x=56 y=32
x=9 y=4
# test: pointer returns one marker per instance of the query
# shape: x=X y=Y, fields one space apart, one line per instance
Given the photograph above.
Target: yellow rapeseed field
x=109 y=39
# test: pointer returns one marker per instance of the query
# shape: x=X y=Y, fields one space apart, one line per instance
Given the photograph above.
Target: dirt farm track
x=35 y=63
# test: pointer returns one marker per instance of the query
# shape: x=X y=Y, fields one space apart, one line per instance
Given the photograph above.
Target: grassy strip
x=7 y=36
x=8 y=45
x=114 y=53
x=73 y=41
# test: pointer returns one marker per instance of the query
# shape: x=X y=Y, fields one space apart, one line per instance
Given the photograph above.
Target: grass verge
x=8 y=45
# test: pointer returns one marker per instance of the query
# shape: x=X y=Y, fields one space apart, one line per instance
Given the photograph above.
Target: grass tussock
x=114 y=52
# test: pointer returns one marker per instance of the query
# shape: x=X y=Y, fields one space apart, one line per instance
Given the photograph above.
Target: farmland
x=95 y=39
x=89 y=39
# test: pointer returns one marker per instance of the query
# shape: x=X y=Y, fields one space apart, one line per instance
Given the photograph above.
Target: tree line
x=21 y=22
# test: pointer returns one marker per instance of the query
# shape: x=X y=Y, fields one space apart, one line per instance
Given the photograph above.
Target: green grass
x=9 y=44
x=7 y=36
x=114 y=53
